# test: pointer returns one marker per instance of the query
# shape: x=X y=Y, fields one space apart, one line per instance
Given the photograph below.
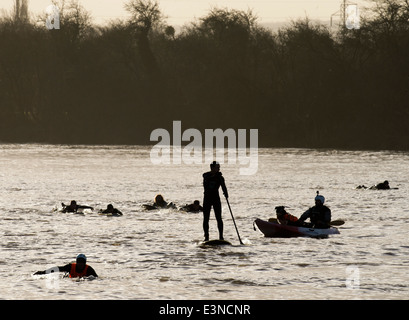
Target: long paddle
x=337 y=223
x=332 y=223
x=233 y=220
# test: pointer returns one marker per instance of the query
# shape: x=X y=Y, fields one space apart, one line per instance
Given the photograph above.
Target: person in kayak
x=79 y=269
x=285 y=218
x=73 y=207
x=110 y=209
x=212 y=181
x=320 y=215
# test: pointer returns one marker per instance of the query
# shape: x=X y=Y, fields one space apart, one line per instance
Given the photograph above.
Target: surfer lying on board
x=110 y=209
x=320 y=215
x=159 y=203
x=380 y=186
x=193 y=207
x=73 y=207
x=212 y=180
x=79 y=269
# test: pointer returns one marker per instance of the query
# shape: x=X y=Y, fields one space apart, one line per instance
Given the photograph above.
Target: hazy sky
x=179 y=12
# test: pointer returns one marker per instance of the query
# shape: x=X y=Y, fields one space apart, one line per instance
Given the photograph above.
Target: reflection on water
x=156 y=254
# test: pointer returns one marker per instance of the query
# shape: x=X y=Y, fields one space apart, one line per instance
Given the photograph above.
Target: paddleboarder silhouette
x=212 y=181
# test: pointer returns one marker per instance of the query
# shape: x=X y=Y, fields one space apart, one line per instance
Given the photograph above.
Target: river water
x=156 y=254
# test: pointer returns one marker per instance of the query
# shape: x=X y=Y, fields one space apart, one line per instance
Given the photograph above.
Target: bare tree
x=145 y=15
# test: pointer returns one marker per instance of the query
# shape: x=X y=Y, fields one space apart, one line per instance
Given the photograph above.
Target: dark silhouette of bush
x=302 y=86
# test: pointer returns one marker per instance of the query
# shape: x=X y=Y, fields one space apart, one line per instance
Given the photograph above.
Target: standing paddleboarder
x=212 y=180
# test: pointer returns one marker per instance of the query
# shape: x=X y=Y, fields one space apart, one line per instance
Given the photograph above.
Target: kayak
x=276 y=230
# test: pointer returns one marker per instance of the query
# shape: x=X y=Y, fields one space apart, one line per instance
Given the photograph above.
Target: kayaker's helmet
x=82 y=256
x=320 y=198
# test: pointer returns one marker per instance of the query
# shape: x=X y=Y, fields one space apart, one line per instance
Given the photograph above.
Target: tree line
x=304 y=85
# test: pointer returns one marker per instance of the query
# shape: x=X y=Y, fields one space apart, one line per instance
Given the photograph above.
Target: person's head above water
x=81 y=258
x=215 y=166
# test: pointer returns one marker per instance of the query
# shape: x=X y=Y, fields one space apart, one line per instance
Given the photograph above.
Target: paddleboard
x=109 y=214
x=216 y=243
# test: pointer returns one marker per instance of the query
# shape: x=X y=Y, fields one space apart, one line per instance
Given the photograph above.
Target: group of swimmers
x=73 y=207
x=160 y=203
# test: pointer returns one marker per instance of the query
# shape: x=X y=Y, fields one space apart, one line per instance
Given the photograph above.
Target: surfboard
x=216 y=243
